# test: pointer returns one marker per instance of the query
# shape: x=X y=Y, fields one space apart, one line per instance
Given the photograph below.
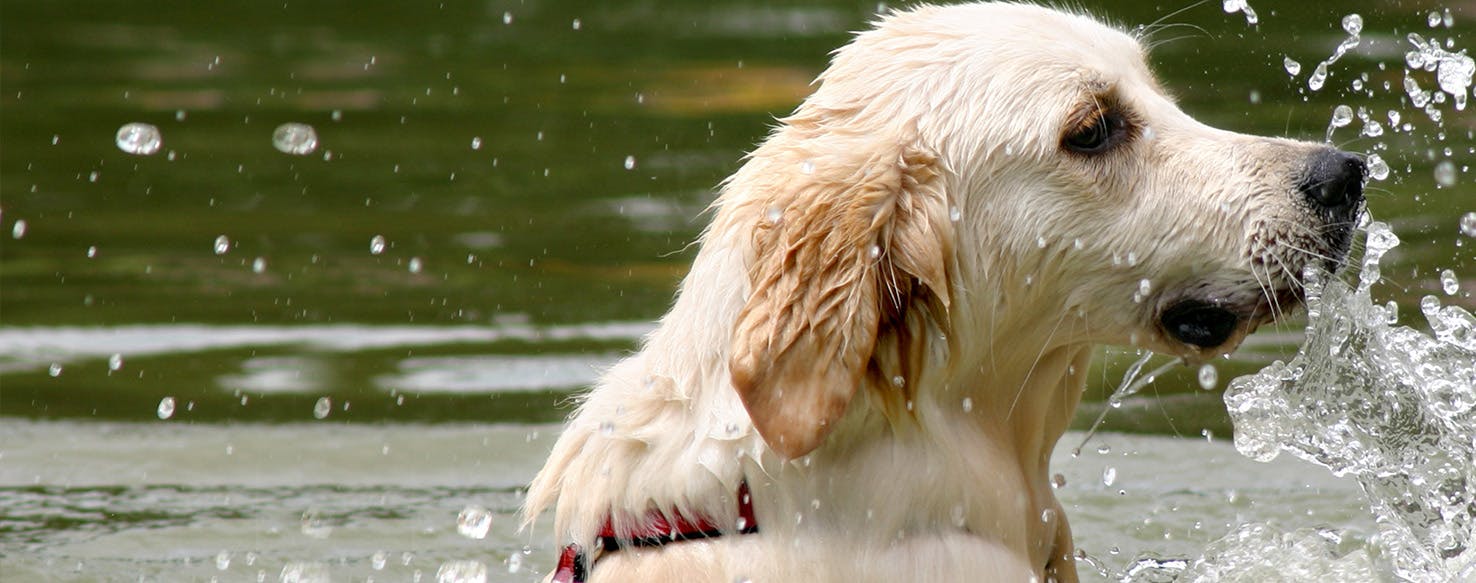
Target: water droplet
x=507 y=18
x=115 y=361
x=1342 y=116
x=1208 y=376
x=1468 y=224
x=18 y=230
x=774 y=213
x=576 y=24
x=514 y=564
x=376 y=245
x=1109 y=476
x=223 y=560
x=1318 y=77
x=875 y=251
x=607 y=428
x=1448 y=282
x=378 y=559
x=91 y=251
x=140 y=139
x=298 y=139
x=414 y=265
x=968 y=404
x=807 y=167
x=1104 y=449
x=258 y=265
x=630 y=162
x=476 y=143
x=954 y=214
x=1292 y=67
x=166 y=407
x=474 y=522
x=55 y=370
x=1058 y=481
x=1353 y=24
x=322 y=408
x=1445 y=173
x=1433 y=19
x=1377 y=168
x=897 y=381
x=222 y=245
x=1145 y=286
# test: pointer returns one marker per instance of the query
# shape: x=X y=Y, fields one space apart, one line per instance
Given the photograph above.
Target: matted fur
x=886 y=329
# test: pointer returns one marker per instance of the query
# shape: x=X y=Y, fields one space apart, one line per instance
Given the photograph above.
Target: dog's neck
x=991 y=411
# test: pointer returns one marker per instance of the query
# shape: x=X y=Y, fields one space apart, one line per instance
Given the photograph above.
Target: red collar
x=654 y=532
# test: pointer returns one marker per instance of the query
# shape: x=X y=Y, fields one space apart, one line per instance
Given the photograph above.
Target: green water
x=541 y=222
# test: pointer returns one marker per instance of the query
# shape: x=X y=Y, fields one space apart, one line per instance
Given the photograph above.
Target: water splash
x=1388 y=405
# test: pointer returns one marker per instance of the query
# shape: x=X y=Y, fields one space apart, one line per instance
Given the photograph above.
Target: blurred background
x=218 y=349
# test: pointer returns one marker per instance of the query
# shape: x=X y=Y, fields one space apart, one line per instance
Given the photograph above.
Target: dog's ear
x=847 y=234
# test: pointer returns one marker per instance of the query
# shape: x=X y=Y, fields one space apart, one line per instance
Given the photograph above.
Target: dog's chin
x=1198 y=328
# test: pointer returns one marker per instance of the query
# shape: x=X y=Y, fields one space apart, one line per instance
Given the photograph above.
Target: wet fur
x=887 y=326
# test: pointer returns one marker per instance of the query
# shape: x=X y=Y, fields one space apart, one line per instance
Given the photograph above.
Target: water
x=1388 y=405
x=512 y=254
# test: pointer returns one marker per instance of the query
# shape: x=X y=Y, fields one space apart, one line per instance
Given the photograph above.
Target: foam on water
x=1390 y=406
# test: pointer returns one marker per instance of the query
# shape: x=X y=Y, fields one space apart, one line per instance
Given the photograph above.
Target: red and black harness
x=574 y=565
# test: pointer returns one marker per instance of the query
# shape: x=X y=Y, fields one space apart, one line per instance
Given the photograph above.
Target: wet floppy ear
x=847 y=236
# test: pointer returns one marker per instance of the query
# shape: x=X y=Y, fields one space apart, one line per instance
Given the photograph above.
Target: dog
x=892 y=312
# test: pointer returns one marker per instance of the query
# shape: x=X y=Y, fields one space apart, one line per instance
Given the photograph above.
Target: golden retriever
x=889 y=322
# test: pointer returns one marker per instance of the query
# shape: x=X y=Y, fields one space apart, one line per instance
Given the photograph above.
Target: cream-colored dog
x=890 y=319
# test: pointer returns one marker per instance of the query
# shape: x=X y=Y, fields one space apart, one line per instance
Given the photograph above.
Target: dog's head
x=963 y=167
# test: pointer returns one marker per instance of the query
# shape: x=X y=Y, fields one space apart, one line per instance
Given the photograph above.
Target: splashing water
x=1388 y=405
x=1233 y=6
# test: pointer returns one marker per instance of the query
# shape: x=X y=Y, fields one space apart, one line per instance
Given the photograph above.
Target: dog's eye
x=1096 y=134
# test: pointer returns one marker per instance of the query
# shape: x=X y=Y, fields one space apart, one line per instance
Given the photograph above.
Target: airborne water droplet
x=1208 y=376
x=258 y=265
x=376 y=245
x=139 y=139
x=115 y=361
x=166 y=407
x=222 y=245
x=1353 y=24
x=415 y=265
x=298 y=139
x=322 y=407
x=476 y=143
x=1377 y=168
x=474 y=522
x=1445 y=173
x=1318 y=76
x=55 y=370
x=1109 y=476
x=1292 y=67
x=1468 y=224
x=630 y=162
x=1449 y=283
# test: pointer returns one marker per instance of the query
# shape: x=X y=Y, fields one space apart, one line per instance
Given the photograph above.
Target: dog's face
x=1082 y=188
x=956 y=162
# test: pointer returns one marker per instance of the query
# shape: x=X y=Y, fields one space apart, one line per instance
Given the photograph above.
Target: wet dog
x=889 y=322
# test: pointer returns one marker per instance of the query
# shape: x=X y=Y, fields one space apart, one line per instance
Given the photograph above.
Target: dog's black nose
x=1333 y=181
